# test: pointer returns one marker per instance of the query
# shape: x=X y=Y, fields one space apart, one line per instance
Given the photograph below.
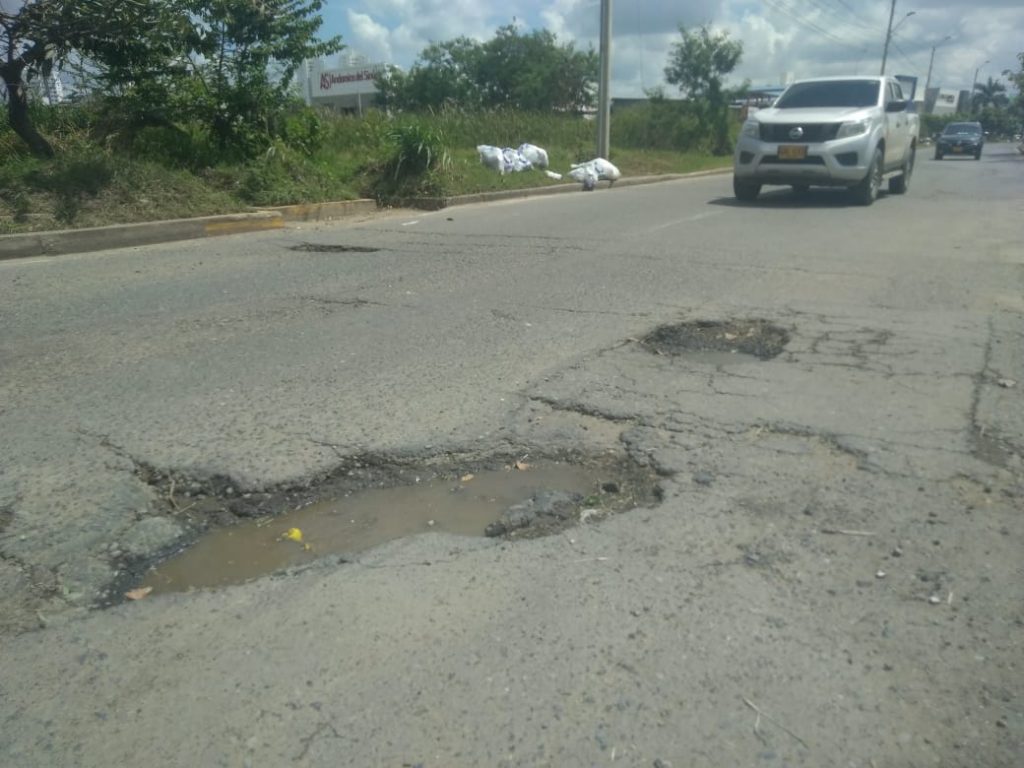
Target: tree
x=697 y=64
x=529 y=72
x=533 y=72
x=445 y=73
x=991 y=93
x=245 y=57
x=227 y=63
x=1017 y=78
x=41 y=34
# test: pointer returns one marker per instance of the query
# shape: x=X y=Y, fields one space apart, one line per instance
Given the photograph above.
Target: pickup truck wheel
x=898 y=185
x=866 y=192
x=747 y=191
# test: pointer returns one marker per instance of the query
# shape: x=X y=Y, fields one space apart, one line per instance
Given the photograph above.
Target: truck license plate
x=792 y=152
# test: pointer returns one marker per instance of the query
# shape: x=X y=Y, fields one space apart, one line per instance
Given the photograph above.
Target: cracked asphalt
x=833 y=576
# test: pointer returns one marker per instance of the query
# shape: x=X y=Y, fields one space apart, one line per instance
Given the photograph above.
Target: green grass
x=102 y=178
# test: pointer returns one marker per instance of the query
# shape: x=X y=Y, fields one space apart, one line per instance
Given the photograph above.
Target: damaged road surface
x=767 y=504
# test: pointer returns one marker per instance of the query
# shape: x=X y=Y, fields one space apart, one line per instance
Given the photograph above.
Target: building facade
x=348 y=87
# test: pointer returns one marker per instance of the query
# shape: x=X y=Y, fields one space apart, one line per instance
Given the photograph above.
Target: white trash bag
x=586 y=174
x=537 y=156
x=601 y=167
x=508 y=160
x=492 y=157
x=514 y=161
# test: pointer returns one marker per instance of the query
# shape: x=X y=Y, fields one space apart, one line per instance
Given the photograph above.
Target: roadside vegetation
x=169 y=173
x=185 y=108
x=189 y=107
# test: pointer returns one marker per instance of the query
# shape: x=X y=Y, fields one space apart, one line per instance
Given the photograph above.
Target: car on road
x=840 y=131
x=965 y=139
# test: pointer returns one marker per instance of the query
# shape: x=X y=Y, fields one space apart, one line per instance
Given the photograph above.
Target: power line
x=793 y=14
x=834 y=14
x=848 y=7
x=906 y=58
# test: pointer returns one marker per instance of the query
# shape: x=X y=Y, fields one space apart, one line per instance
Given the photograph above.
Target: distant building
x=942 y=101
x=47 y=90
x=348 y=87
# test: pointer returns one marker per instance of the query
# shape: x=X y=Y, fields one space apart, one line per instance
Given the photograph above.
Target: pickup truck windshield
x=830 y=93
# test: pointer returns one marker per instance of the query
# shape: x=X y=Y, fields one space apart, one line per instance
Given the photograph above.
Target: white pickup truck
x=838 y=131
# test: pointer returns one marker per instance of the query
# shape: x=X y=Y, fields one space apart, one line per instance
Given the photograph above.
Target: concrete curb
x=439 y=203
x=67 y=241
x=323 y=211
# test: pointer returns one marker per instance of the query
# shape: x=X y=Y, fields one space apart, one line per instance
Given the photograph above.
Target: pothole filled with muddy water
x=252 y=535
x=717 y=342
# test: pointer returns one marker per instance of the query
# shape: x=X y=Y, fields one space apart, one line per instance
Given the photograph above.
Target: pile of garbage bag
x=528 y=156
x=508 y=160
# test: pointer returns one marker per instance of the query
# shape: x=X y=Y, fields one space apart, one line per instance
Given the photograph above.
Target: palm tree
x=992 y=93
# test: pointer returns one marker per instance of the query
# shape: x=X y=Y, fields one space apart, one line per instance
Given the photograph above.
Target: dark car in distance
x=960 y=139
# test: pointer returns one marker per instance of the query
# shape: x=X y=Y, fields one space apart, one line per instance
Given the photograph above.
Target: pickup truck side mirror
x=896 y=106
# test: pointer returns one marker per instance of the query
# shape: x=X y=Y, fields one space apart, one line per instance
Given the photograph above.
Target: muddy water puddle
x=462 y=506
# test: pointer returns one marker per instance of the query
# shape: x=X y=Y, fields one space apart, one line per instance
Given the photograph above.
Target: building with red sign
x=348 y=87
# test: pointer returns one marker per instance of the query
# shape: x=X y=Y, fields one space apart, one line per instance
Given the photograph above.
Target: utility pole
x=603 y=97
x=888 y=37
x=974 y=85
x=931 y=61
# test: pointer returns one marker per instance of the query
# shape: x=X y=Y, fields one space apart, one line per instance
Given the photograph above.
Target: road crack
x=307 y=741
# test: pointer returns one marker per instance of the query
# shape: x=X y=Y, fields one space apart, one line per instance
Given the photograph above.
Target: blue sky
x=799 y=38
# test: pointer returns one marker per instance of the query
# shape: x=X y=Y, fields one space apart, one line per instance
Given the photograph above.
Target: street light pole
x=888 y=37
x=931 y=61
x=974 y=82
x=889 y=32
x=603 y=96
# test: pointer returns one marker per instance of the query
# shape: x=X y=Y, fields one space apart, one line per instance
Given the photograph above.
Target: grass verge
x=162 y=175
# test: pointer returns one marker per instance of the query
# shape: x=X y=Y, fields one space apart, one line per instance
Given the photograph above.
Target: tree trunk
x=17 y=110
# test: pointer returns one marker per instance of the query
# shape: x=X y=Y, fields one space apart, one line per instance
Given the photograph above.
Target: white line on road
x=410 y=223
x=687 y=220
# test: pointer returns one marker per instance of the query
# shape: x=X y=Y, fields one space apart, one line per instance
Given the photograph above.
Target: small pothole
x=332 y=248
x=757 y=338
x=239 y=536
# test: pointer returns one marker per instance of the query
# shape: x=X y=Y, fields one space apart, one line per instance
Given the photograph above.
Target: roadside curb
x=323 y=211
x=65 y=241
x=439 y=203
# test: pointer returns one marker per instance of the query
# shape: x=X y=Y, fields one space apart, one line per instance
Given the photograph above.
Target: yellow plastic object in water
x=293 y=534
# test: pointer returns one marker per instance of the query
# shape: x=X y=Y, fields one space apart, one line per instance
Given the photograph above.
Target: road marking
x=410 y=223
x=687 y=220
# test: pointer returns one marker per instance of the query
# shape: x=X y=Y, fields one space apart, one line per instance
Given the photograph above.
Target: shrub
x=419 y=146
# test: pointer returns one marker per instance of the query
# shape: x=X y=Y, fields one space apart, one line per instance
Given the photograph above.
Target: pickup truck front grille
x=813 y=133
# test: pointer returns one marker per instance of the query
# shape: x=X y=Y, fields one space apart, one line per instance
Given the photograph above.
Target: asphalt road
x=732 y=624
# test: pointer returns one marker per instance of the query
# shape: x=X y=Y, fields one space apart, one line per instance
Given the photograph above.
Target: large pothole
x=711 y=338
x=236 y=536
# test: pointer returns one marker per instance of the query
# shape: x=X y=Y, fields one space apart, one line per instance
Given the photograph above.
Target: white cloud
x=801 y=37
x=369 y=38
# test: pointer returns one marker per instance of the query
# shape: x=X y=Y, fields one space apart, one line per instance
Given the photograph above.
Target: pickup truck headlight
x=751 y=128
x=855 y=128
